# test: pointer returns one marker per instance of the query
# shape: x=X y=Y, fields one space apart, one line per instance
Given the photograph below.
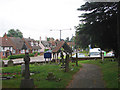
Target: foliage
x=48 y=39
x=19 y=56
x=40 y=78
x=99 y=26
x=15 y=33
x=46 y=50
x=67 y=39
x=36 y=52
x=109 y=71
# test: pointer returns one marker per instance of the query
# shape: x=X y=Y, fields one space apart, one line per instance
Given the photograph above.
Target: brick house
x=6 y=46
x=16 y=45
x=32 y=44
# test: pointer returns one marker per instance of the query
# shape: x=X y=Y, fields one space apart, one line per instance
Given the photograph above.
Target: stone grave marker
x=23 y=70
x=27 y=82
x=10 y=62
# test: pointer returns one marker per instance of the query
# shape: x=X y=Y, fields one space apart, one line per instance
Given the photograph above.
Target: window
x=14 y=51
x=22 y=51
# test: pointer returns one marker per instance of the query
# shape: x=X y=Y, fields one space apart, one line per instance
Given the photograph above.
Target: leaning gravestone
x=27 y=82
x=10 y=62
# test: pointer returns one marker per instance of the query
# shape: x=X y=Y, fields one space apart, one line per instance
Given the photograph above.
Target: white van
x=95 y=52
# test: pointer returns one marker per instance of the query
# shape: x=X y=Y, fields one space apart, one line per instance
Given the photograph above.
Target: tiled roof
x=57 y=48
x=64 y=45
x=18 y=42
x=45 y=43
x=52 y=42
x=27 y=41
x=36 y=47
x=71 y=43
x=5 y=42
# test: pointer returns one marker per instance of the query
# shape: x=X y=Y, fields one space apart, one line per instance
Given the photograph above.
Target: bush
x=46 y=50
x=19 y=56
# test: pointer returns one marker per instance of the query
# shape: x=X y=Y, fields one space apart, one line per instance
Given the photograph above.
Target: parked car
x=110 y=54
x=95 y=52
x=79 y=55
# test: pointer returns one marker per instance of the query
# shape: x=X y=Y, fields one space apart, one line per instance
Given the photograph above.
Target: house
x=6 y=46
x=44 y=44
x=32 y=44
x=17 y=45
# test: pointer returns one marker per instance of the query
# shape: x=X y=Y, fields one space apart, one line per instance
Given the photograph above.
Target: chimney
x=40 y=40
x=46 y=38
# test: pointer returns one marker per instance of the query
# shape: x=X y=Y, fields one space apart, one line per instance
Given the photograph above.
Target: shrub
x=46 y=50
x=19 y=56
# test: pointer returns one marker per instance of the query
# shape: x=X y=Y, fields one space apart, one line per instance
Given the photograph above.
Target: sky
x=35 y=18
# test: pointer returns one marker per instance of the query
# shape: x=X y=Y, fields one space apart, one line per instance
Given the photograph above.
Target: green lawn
x=40 y=78
x=109 y=71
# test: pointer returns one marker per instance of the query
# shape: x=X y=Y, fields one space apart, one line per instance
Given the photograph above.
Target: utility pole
x=60 y=31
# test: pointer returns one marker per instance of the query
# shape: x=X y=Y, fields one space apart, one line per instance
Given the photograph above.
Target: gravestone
x=23 y=70
x=51 y=76
x=27 y=82
x=10 y=62
x=3 y=64
x=67 y=63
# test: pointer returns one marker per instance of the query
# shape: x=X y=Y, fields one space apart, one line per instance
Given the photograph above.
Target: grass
x=109 y=70
x=40 y=78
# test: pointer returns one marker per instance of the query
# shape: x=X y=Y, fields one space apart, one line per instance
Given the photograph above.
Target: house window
x=27 y=50
x=14 y=51
x=22 y=51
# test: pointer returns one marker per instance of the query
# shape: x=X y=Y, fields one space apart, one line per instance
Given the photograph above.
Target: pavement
x=32 y=59
x=89 y=76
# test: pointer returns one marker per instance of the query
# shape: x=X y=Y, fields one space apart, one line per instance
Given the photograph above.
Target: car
x=110 y=54
x=79 y=55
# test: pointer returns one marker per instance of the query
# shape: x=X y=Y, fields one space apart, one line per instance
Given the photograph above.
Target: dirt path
x=88 y=77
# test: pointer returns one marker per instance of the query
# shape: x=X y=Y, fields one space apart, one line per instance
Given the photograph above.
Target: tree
x=67 y=39
x=15 y=33
x=100 y=24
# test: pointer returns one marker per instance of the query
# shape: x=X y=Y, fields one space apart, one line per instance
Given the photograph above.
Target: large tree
x=99 y=24
x=15 y=33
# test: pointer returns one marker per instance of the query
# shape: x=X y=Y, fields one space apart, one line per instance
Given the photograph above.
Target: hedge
x=19 y=56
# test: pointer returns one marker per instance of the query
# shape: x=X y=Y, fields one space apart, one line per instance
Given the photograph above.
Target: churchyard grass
x=41 y=72
x=109 y=71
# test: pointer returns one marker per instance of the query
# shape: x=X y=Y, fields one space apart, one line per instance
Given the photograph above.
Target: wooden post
x=67 y=63
x=76 y=59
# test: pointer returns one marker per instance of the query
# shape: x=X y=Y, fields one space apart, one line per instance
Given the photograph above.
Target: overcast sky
x=35 y=18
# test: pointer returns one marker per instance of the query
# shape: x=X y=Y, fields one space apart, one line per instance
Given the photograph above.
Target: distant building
x=16 y=45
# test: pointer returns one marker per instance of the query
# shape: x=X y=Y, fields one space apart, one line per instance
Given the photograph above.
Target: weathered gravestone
x=51 y=76
x=23 y=70
x=10 y=62
x=27 y=82
x=67 y=63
